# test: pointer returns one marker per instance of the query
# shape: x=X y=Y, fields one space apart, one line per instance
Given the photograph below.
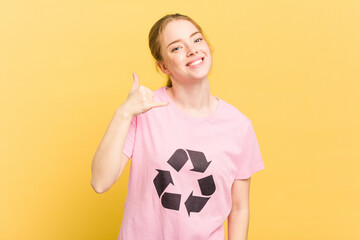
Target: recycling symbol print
x=206 y=184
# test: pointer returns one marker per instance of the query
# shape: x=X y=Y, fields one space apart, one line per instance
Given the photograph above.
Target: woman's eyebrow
x=180 y=40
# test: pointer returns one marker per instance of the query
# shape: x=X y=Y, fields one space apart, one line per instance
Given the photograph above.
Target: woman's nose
x=191 y=50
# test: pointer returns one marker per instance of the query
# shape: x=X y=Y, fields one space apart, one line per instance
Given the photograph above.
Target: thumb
x=135 y=82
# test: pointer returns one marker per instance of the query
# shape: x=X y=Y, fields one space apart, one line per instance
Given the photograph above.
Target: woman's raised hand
x=140 y=99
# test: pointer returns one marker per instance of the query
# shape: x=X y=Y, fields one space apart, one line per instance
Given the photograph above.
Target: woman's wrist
x=122 y=113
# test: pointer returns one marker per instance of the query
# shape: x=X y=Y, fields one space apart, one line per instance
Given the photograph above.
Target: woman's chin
x=192 y=76
x=199 y=74
x=196 y=78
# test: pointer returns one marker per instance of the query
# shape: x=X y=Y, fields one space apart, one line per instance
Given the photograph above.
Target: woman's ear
x=163 y=67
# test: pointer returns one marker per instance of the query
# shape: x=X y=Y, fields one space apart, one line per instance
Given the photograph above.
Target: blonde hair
x=157 y=29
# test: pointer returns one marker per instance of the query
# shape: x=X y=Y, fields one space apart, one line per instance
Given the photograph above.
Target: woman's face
x=186 y=54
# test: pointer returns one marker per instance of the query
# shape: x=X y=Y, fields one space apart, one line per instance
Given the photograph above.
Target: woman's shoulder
x=160 y=91
x=160 y=94
x=233 y=112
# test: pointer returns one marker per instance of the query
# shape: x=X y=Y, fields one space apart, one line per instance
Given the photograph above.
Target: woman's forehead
x=177 y=30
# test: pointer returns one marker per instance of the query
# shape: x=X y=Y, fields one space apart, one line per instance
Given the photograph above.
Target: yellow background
x=292 y=67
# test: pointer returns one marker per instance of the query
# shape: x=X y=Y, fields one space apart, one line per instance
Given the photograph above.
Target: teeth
x=196 y=62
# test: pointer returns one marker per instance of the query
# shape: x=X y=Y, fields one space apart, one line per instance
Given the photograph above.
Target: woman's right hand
x=140 y=99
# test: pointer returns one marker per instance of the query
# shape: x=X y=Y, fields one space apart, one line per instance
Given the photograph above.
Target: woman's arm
x=238 y=220
x=109 y=161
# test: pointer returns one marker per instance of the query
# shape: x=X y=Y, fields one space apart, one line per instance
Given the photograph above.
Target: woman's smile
x=196 y=63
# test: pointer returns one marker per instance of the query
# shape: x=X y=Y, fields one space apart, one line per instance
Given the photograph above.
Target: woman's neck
x=194 y=99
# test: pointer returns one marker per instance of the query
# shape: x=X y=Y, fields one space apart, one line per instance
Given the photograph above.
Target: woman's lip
x=202 y=58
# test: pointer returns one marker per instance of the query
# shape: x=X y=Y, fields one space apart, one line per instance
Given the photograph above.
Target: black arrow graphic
x=198 y=160
x=178 y=159
x=162 y=180
x=194 y=203
x=171 y=200
x=207 y=185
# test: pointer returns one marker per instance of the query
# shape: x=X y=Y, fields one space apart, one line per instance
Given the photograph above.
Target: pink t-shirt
x=182 y=171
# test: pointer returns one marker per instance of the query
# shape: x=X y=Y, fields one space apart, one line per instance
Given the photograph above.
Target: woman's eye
x=175 y=49
x=198 y=40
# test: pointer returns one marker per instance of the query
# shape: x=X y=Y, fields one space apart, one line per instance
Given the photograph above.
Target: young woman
x=192 y=153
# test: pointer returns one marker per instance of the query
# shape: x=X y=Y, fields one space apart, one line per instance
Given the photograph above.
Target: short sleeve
x=130 y=138
x=250 y=158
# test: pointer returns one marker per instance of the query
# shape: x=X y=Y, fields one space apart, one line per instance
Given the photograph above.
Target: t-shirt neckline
x=188 y=117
